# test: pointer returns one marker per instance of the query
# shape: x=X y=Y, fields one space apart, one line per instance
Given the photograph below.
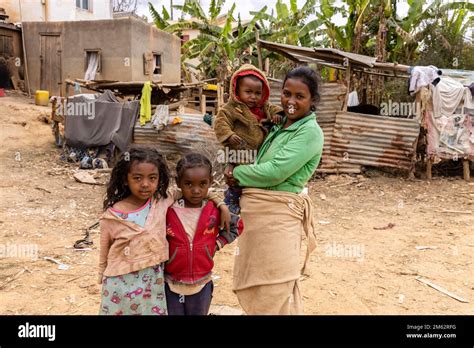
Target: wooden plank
x=259 y=50
x=203 y=104
x=440 y=289
x=348 y=85
x=429 y=165
x=466 y=170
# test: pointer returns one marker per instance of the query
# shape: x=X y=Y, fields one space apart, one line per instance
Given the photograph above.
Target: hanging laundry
x=145 y=104
x=449 y=125
x=353 y=99
x=422 y=76
x=447 y=95
x=471 y=88
x=108 y=120
x=468 y=101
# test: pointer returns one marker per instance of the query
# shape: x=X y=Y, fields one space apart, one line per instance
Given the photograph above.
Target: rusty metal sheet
x=332 y=97
x=190 y=135
x=275 y=92
x=374 y=140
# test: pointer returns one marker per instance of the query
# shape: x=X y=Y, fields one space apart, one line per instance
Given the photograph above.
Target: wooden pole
x=267 y=66
x=411 y=173
x=429 y=164
x=219 y=97
x=222 y=94
x=348 y=84
x=466 y=169
x=67 y=89
x=392 y=66
x=202 y=98
x=60 y=83
x=24 y=56
x=259 y=50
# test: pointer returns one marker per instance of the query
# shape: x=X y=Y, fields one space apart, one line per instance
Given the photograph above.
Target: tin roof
x=330 y=55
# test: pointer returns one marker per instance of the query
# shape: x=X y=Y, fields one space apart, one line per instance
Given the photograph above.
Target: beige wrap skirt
x=267 y=262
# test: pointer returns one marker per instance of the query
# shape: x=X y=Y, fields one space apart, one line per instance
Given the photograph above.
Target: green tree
x=214 y=44
x=422 y=27
x=444 y=43
x=287 y=25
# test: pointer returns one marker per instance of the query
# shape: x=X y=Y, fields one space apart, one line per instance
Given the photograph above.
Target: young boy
x=244 y=121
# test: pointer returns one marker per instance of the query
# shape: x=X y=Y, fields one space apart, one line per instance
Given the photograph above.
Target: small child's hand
x=235 y=140
x=277 y=119
x=225 y=217
x=228 y=170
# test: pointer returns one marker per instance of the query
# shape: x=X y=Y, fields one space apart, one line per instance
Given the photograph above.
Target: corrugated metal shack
x=190 y=133
x=353 y=140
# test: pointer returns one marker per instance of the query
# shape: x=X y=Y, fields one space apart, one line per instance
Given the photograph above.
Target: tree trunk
x=380 y=55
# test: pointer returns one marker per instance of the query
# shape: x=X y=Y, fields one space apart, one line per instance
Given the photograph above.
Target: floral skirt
x=137 y=293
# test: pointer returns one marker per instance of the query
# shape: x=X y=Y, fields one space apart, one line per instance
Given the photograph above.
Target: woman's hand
x=225 y=217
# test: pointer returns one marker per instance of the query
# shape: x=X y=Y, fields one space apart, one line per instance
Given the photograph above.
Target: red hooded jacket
x=191 y=262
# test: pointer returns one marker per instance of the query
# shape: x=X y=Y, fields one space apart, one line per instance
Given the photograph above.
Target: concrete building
x=57 y=10
x=125 y=49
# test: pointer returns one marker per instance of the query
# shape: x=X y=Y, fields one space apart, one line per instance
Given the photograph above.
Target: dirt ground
x=366 y=262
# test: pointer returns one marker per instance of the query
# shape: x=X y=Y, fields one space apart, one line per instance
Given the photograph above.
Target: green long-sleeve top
x=287 y=158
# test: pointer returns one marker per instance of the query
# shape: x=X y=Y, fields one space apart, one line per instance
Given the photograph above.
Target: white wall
x=101 y=9
x=192 y=35
x=31 y=10
x=55 y=10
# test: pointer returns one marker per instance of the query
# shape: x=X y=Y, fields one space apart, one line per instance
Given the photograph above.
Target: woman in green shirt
x=274 y=209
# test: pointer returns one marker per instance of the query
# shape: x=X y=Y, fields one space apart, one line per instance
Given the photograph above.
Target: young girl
x=133 y=243
x=194 y=237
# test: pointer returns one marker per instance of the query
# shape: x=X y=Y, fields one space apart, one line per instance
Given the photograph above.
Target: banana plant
x=408 y=33
x=287 y=24
x=348 y=36
x=214 y=44
x=160 y=20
